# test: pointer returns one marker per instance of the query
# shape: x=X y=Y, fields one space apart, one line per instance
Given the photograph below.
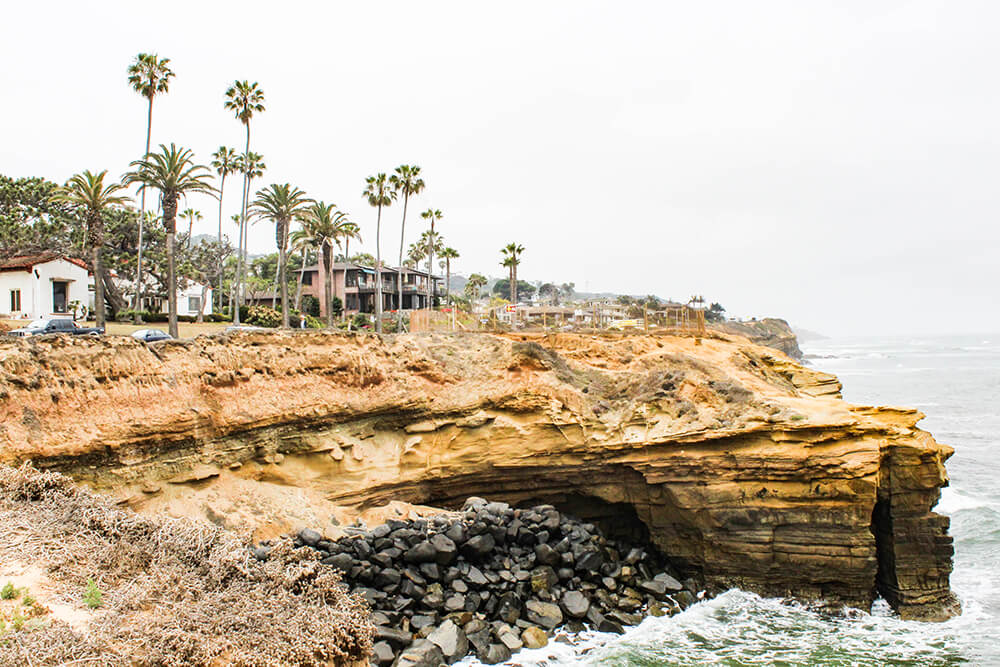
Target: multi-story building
x=355 y=285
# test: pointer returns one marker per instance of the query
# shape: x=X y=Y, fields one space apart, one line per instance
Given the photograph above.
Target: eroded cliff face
x=743 y=466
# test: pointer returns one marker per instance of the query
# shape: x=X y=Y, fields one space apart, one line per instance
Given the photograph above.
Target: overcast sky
x=833 y=163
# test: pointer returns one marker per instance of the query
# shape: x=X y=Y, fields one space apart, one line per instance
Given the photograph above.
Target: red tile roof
x=26 y=262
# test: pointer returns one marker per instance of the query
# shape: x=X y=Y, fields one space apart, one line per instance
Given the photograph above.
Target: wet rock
x=451 y=640
x=574 y=604
x=394 y=637
x=422 y=654
x=445 y=549
x=382 y=653
x=496 y=654
x=343 y=562
x=309 y=537
x=422 y=552
x=545 y=614
x=533 y=637
x=546 y=555
x=478 y=546
x=669 y=583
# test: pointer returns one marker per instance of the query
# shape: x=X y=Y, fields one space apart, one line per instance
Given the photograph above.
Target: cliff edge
x=745 y=468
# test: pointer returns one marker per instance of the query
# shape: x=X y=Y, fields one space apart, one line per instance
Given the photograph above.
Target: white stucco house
x=43 y=285
x=191 y=298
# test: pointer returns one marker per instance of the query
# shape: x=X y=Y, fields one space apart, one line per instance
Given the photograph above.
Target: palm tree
x=174 y=173
x=281 y=204
x=432 y=215
x=379 y=192
x=512 y=257
x=300 y=241
x=447 y=255
x=149 y=76
x=88 y=192
x=325 y=226
x=244 y=99
x=252 y=166
x=190 y=215
x=224 y=163
x=406 y=181
x=474 y=285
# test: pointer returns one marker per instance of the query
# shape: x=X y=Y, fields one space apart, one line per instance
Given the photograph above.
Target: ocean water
x=955 y=381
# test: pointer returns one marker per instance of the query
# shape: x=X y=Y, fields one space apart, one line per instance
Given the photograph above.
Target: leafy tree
x=88 y=192
x=281 y=204
x=550 y=292
x=244 y=99
x=224 y=163
x=361 y=258
x=252 y=166
x=475 y=283
x=301 y=242
x=202 y=264
x=174 y=173
x=379 y=192
x=524 y=288
x=405 y=181
x=432 y=215
x=149 y=75
x=191 y=216
x=326 y=226
x=715 y=313
x=448 y=254
x=32 y=220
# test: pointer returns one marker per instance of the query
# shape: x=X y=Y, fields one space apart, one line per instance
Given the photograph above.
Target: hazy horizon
x=833 y=165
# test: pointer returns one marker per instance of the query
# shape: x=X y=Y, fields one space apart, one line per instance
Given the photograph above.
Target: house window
x=194 y=304
x=15 y=301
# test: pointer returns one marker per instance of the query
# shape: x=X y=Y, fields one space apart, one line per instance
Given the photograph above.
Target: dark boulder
x=478 y=546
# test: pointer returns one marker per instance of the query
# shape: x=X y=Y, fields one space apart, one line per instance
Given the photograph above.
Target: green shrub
x=27 y=600
x=8 y=592
x=361 y=321
x=92 y=595
x=17 y=622
x=263 y=316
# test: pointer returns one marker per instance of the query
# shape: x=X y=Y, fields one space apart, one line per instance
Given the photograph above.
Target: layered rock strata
x=746 y=468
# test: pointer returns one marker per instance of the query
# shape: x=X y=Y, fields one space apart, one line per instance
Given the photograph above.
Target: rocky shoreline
x=492 y=579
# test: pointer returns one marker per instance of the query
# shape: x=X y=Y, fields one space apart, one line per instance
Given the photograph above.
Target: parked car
x=53 y=325
x=151 y=335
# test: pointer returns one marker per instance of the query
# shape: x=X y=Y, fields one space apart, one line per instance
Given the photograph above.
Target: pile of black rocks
x=494 y=580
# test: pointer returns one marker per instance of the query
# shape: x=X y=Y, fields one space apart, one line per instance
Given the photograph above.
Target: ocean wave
x=953 y=501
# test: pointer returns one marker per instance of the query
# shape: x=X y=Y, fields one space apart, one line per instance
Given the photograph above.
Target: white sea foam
x=953 y=501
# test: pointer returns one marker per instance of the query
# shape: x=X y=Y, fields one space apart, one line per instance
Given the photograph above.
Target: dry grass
x=175 y=592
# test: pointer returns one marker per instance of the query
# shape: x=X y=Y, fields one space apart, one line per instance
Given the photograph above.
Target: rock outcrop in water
x=745 y=468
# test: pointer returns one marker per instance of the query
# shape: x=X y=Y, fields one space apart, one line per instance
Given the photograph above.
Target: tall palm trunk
x=343 y=302
x=222 y=187
x=97 y=239
x=243 y=223
x=298 y=288
x=447 y=279
x=283 y=274
x=378 y=272
x=430 y=268
x=402 y=239
x=170 y=223
x=137 y=306
x=514 y=279
x=328 y=283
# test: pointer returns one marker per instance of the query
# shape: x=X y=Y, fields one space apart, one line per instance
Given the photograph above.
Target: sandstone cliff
x=770 y=332
x=743 y=467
